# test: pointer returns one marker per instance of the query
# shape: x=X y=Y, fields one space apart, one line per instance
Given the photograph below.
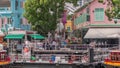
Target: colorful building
x=11 y=17
x=92 y=13
x=92 y=16
x=69 y=26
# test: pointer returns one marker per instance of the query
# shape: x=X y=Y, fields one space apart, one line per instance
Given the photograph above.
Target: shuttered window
x=99 y=14
x=81 y=19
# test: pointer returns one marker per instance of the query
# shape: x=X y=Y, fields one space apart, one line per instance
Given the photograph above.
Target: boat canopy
x=14 y=36
x=37 y=36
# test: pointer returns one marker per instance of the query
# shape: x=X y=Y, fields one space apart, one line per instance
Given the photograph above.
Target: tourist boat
x=113 y=60
x=4 y=59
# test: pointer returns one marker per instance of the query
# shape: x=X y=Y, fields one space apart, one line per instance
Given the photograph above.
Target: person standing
x=54 y=45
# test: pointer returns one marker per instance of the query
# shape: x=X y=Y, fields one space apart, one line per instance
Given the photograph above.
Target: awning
x=103 y=33
x=14 y=36
x=37 y=36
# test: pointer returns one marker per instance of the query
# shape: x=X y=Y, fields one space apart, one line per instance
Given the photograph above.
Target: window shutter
x=88 y=17
x=99 y=14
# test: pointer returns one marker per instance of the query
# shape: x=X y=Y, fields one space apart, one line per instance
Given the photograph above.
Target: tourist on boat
x=19 y=48
x=63 y=43
x=39 y=45
x=92 y=44
x=54 y=45
x=6 y=48
x=47 y=46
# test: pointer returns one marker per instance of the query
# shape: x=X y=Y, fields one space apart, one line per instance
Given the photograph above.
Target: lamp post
x=35 y=39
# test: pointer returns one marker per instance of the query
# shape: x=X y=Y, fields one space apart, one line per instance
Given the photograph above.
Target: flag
x=64 y=16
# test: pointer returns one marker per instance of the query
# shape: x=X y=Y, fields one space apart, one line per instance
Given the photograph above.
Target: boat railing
x=47 y=58
x=79 y=47
x=69 y=50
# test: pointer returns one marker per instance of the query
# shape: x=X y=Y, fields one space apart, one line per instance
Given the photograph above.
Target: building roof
x=4 y=3
x=84 y=6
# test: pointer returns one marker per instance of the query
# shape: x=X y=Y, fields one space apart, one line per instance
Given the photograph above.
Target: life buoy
x=73 y=57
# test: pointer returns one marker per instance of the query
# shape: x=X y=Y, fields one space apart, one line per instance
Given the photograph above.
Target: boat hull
x=4 y=63
x=110 y=64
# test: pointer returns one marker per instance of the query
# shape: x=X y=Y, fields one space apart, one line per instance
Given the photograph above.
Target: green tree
x=43 y=14
x=114 y=10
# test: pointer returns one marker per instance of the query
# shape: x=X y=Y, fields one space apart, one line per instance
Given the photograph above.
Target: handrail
x=77 y=47
x=72 y=49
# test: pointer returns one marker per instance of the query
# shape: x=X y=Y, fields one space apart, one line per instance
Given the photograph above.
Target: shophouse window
x=9 y=20
x=21 y=21
x=81 y=2
x=87 y=10
x=16 y=5
x=2 y=22
x=22 y=2
x=99 y=14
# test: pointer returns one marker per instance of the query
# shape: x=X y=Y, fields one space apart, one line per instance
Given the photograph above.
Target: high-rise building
x=71 y=9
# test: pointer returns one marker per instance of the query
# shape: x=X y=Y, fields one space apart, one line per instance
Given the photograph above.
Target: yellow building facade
x=69 y=26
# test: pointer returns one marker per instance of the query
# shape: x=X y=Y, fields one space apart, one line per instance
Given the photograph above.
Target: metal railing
x=77 y=47
x=47 y=58
x=100 y=52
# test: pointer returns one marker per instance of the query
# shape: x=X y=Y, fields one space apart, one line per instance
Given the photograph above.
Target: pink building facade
x=92 y=13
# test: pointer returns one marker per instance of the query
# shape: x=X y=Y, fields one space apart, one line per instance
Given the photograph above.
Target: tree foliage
x=43 y=14
x=114 y=10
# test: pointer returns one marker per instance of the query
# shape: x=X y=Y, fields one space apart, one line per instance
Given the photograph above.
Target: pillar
x=91 y=55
